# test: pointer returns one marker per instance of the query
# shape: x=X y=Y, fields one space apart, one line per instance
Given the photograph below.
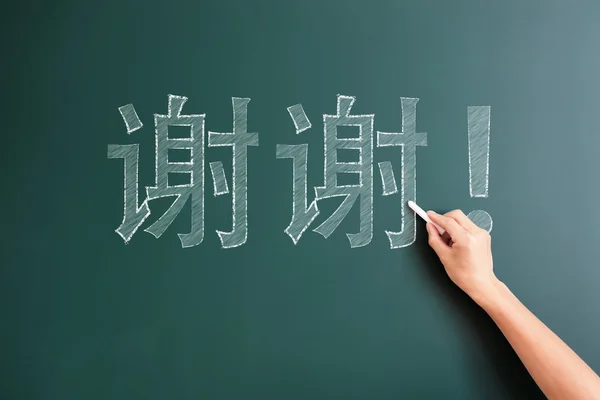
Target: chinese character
x=192 y=170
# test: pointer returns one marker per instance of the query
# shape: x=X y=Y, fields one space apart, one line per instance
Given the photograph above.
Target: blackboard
x=88 y=315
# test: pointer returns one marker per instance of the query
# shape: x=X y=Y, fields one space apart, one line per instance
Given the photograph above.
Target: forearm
x=557 y=370
x=467 y=258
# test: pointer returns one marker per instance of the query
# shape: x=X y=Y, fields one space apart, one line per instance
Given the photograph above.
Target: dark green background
x=84 y=316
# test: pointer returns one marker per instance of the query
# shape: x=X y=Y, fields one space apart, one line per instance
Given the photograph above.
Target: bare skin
x=466 y=253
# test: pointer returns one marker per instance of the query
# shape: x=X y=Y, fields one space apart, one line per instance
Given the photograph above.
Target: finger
x=462 y=220
x=436 y=242
x=453 y=228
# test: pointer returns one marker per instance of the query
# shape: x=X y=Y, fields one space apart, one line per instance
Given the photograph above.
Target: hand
x=466 y=252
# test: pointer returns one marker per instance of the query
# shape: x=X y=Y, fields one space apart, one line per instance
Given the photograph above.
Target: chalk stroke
x=238 y=140
x=302 y=214
x=388 y=181
x=482 y=219
x=301 y=121
x=408 y=140
x=479 y=149
x=364 y=168
x=133 y=215
x=219 y=180
x=195 y=167
x=130 y=117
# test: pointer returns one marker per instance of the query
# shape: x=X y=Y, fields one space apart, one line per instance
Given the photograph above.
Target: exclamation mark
x=479 y=160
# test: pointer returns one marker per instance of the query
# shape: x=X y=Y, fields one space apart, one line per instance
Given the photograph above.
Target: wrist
x=489 y=293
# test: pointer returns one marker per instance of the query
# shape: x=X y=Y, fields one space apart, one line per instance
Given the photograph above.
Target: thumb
x=435 y=240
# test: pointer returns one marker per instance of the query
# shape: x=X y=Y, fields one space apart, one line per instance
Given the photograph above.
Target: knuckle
x=470 y=241
x=456 y=213
x=454 y=224
x=482 y=233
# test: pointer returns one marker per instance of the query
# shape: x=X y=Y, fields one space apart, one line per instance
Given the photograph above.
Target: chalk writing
x=408 y=140
x=479 y=160
x=350 y=180
x=238 y=140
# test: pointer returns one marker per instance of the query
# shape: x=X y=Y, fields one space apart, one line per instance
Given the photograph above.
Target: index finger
x=453 y=228
x=462 y=220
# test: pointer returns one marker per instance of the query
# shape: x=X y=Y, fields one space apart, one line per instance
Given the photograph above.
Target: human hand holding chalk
x=423 y=215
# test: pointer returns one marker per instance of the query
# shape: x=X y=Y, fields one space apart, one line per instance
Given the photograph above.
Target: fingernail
x=431 y=212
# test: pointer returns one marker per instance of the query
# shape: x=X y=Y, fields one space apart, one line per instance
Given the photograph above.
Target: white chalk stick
x=424 y=215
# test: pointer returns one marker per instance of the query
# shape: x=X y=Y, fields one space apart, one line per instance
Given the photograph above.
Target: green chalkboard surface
x=254 y=312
